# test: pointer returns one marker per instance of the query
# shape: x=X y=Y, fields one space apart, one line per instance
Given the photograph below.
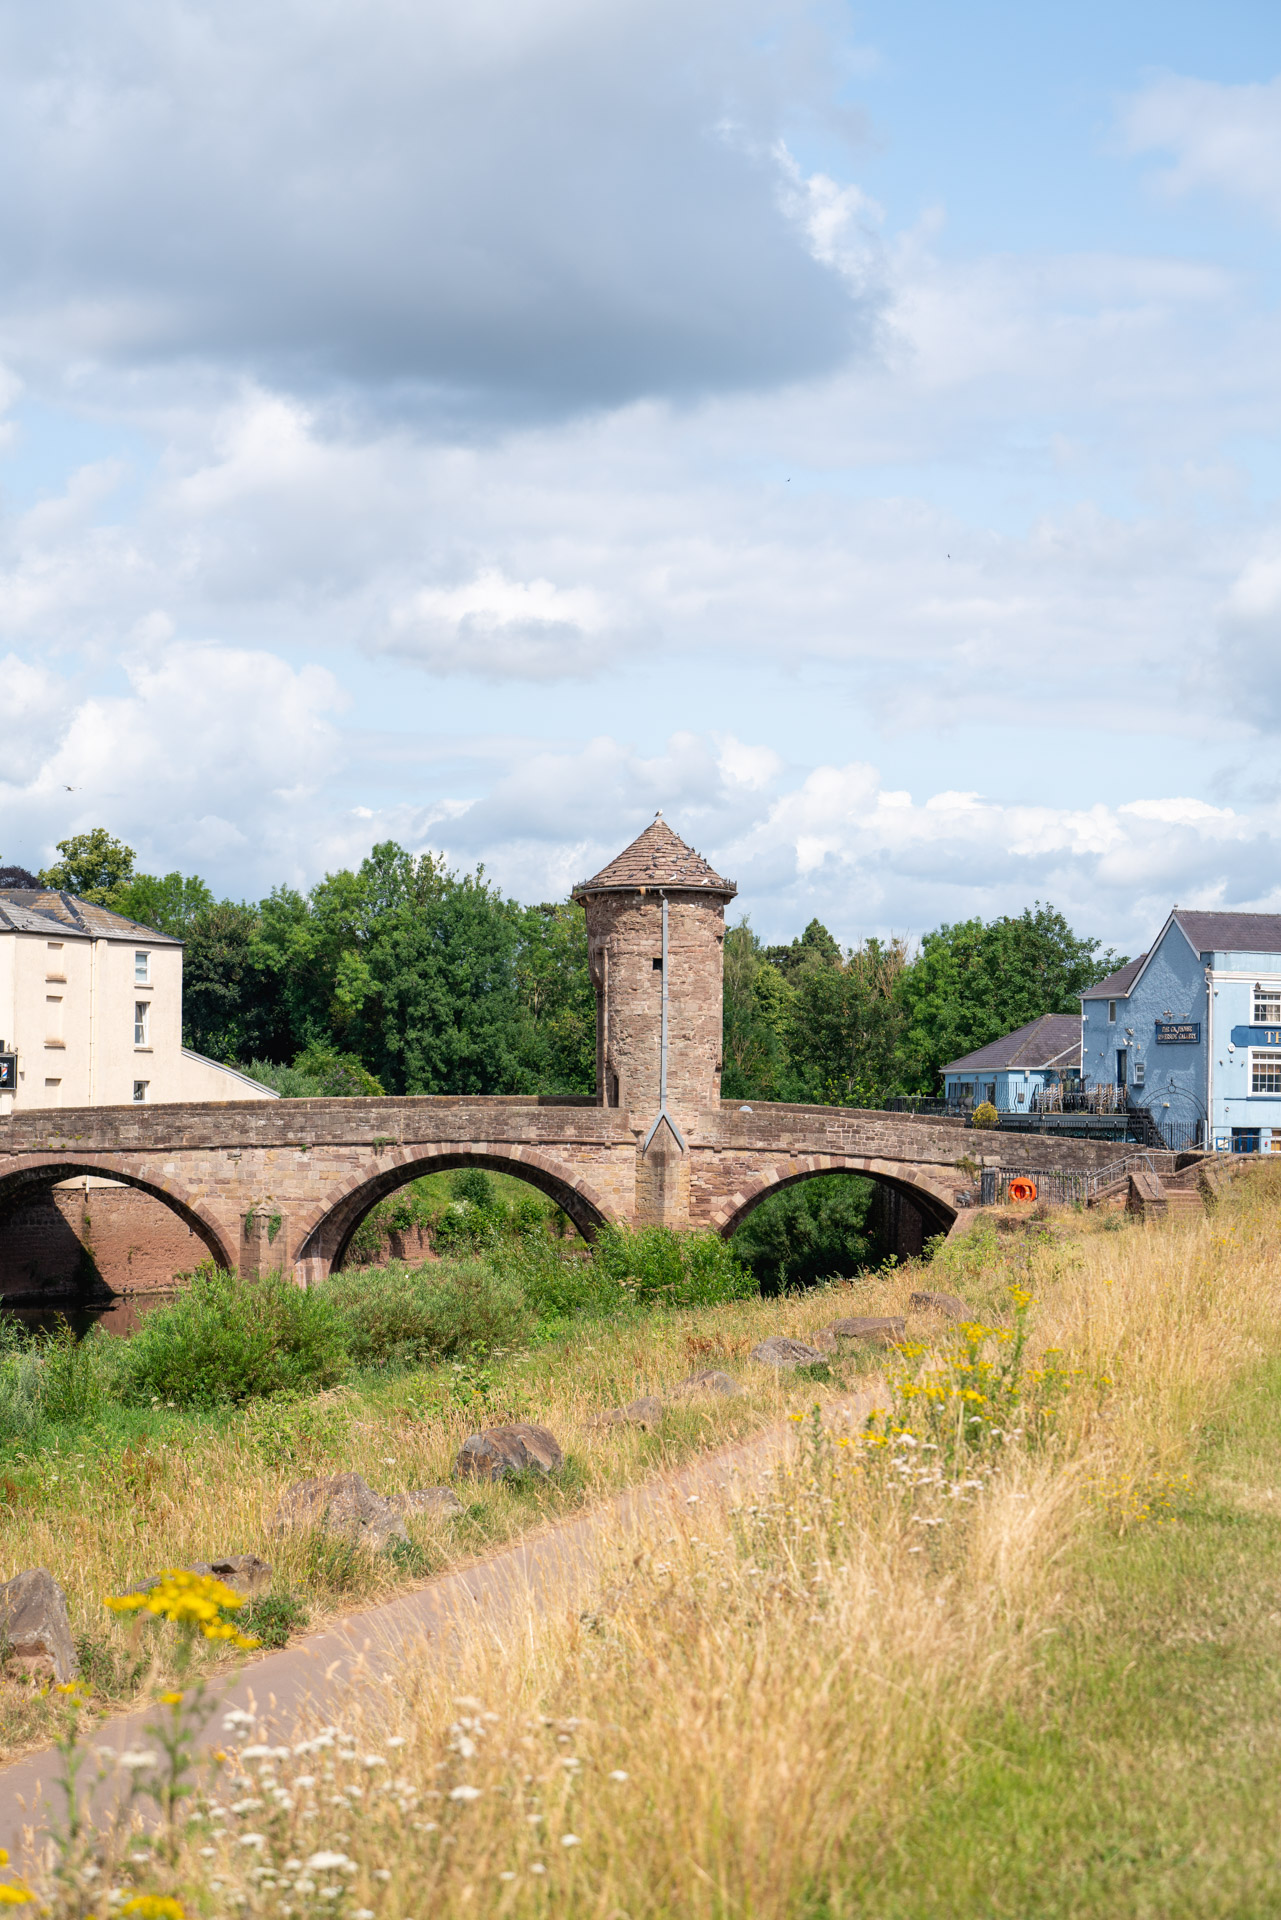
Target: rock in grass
x=441 y=1500
x=497 y=1451
x=879 y=1330
x=948 y=1304
x=779 y=1351
x=244 y=1573
x=645 y=1412
x=344 y=1506
x=34 y=1627
x=711 y=1380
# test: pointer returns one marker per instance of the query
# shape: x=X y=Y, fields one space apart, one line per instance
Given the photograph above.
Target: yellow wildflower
x=188 y=1600
x=153 y=1906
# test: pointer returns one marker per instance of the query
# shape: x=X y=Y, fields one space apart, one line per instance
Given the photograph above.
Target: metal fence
x=1059 y=1187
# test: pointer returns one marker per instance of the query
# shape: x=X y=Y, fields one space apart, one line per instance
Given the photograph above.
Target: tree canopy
x=404 y=977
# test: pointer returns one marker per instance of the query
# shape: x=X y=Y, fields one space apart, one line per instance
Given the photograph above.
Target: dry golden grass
x=169 y=1488
x=746 y=1722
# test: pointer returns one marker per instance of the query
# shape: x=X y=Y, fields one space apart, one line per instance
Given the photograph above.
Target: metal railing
x=1057 y=1185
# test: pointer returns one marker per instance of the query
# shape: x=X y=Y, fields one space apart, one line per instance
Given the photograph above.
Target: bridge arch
x=32 y=1173
x=934 y=1200
x=324 y=1237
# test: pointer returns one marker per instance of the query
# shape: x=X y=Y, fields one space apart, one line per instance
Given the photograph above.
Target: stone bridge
x=284 y=1184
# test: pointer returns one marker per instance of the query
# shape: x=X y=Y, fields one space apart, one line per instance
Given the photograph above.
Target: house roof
x=1053 y=1040
x=1231 y=932
x=50 y=910
x=1117 y=983
x=658 y=858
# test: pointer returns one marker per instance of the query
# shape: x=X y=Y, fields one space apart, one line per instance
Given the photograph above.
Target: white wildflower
x=398 y=1740
x=137 y=1759
x=373 y=1760
x=322 y=1862
x=618 y=1774
x=465 y=1793
x=253 y=1839
x=570 y=1840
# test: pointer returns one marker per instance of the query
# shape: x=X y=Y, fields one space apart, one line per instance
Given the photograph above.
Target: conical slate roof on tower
x=658 y=858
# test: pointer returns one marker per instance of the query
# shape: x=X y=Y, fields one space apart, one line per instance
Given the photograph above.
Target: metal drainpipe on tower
x=663 y=1114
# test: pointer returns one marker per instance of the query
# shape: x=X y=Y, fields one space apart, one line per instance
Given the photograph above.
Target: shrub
x=474 y=1185
x=984 y=1115
x=225 y=1339
x=398 y=1315
x=54 y=1379
x=272 y=1617
x=560 y=1285
x=682 y=1269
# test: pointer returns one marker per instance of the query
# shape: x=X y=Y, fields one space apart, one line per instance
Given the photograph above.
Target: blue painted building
x=1013 y=1072
x=1192 y=1031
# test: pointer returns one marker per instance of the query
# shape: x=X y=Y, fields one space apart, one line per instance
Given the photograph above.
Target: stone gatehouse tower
x=655 y=933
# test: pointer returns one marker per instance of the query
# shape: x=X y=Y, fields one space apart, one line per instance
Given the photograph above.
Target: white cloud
x=1221 y=136
x=213 y=759
x=503 y=629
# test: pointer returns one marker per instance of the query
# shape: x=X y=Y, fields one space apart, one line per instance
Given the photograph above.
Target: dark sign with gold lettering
x=1178 y=1033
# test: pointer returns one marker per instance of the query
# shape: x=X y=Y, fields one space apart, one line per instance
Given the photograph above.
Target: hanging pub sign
x=1178 y=1033
x=8 y=1072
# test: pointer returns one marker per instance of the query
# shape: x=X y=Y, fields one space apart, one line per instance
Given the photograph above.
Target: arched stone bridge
x=284 y=1184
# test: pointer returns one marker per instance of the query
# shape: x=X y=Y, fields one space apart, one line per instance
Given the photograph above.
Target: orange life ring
x=1021 y=1189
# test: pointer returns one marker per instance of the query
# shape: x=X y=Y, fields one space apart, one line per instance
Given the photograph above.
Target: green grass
x=1141 y=1775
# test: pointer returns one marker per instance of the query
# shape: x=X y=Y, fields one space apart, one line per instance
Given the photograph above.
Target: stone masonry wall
x=282 y=1183
x=625 y=939
x=65 y=1241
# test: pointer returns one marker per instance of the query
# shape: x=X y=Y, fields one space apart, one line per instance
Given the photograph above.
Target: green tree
x=975 y=981
x=816 y=947
x=231 y=1003
x=168 y=902
x=438 y=1005
x=557 y=1000
x=92 y=866
x=846 y=1023
x=757 y=1006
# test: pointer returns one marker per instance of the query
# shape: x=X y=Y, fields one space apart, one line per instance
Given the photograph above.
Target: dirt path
x=554 y=1568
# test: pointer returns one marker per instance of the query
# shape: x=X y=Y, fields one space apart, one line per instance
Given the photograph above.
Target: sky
x=850 y=429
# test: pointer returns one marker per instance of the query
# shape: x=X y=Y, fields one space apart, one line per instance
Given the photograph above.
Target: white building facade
x=91 y=1012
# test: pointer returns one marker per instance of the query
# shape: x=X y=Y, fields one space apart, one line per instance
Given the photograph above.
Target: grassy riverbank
x=103 y=1480
x=1016 y=1655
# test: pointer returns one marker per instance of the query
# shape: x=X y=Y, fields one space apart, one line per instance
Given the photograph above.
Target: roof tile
x=658 y=858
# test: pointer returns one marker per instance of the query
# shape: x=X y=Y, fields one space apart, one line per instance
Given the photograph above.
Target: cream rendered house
x=91 y=1006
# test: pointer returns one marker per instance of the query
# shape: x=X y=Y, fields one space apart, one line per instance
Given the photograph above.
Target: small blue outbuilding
x=1014 y=1071
x=1192 y=1031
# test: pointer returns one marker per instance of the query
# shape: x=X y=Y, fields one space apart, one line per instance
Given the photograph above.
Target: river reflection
x=122 y=1315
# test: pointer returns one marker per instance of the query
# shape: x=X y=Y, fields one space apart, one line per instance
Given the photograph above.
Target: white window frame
x=142 y=1023
x=1272 y=1055
x=141 y=968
